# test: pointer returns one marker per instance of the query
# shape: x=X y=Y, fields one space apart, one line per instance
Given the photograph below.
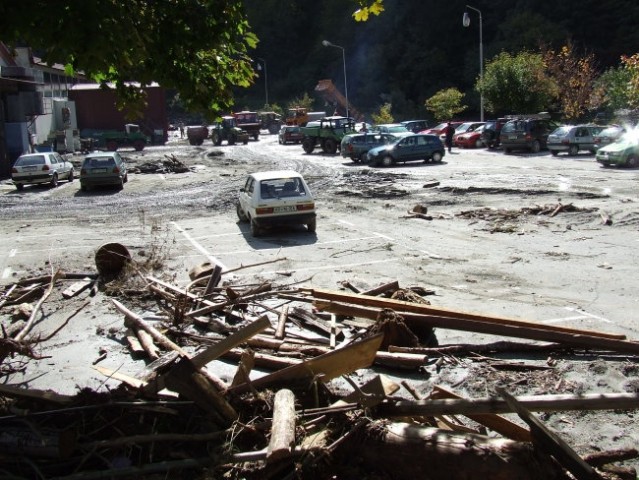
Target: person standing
x=450 y=131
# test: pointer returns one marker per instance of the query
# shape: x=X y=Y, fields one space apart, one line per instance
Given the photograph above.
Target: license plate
x=287 y=209
x=99 y=170
x=29 y=169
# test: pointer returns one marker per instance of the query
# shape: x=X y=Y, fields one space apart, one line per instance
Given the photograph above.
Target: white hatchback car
x=45 y=167
x=275 y=198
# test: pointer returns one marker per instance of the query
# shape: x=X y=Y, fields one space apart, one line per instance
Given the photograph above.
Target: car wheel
x=330 y=146
x=437 y=157
x=554 y=153
x=308 y=145
x=255 y=229
x=506 y=151
x=388 y=161
x=54 y=180
x=479 y=143
x=217 y=141
x=310 y=226
x=573 y=150
x=71 y=177
x=535 y=147
x=279 y=140
x=363 y=158
x=120 y=185
x=19 y=186
x=112 y=145
x=232 y=140
x=138 y=145
x=632 y=162
x=240 y=213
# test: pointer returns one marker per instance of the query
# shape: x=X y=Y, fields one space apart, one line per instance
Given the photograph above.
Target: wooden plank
x=216 y=351
x=14 y=391
x=281 y=323
x=282 y=442
x=539 y=403
x=550 y=442
x=77 y=288
x=119 y=376
x=325 y=367
x=371 y=393
x=499 y=424
x=534 y=332
x=420 y=308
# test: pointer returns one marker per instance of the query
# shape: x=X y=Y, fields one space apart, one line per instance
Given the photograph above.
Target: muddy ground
x=496 y=244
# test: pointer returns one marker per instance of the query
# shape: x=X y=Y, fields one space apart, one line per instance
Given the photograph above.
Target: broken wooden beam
x=538 y=403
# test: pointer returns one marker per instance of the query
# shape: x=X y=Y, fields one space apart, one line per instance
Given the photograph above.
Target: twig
x=23 y=333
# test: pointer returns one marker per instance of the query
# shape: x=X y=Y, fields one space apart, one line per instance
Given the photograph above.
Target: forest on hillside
x=416 y=48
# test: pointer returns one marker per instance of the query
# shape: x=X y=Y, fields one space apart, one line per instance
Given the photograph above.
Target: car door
x=246 y=194
x=62 y=166
x=409 y=150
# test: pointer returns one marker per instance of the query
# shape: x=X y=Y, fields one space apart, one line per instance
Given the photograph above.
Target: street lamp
x=466 y=23
x=326 y=43
x=259 y=67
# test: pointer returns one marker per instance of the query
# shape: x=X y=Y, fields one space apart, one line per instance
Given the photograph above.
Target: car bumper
x=96 y=181
x=31 y=179
x=294 y=219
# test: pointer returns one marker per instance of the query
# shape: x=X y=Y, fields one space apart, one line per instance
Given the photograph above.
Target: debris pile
x=170 y=165
x=318 y=412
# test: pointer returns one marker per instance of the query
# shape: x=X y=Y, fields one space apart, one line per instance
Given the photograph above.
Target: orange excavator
x=329 y=92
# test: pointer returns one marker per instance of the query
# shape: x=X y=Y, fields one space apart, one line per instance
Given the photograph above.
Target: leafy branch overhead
x=368 y=8
x=197 y=47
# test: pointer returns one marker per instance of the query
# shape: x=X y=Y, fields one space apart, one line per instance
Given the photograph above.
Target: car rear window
x=562 y=130
x=29 y=161
x=99 y=162
x=282 y=188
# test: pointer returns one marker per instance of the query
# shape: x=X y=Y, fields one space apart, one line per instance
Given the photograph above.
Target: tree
x=575 y=78
x=612 y=88
x=631 y=64
x=517 y=83
x=304 y=101
x=383 y=115
x=445 y=104
x=197 y=47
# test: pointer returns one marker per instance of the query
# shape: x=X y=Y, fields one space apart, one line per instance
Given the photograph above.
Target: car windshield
x=610 y=132
x=282 y=188
x=393 y=128
x=562 y=131
x=30 y=161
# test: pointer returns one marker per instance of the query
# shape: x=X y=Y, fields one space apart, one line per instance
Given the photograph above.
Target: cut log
x=404 y=450
x=281 y=323
x=282 y=441
x=146 y=340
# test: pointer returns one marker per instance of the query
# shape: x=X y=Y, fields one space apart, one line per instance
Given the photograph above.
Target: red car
x=439 y=129
x=470 y=139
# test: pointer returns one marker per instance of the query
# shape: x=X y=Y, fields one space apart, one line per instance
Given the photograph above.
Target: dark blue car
x=408 y=149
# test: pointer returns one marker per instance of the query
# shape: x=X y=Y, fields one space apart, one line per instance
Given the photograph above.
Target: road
x=493 y=246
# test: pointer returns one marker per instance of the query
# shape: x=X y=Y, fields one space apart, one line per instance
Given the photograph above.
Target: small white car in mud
x=276 y=198
x=37 y=168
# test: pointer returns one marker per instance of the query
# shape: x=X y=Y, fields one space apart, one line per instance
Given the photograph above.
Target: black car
x=529 y=133
x=490 y=135
x=415 y=126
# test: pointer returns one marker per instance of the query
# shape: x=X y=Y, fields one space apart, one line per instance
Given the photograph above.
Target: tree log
x=282 y=440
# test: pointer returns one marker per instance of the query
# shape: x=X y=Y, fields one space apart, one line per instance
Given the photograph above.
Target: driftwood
x=282 y=440
x=550 y=442
x=410 y=451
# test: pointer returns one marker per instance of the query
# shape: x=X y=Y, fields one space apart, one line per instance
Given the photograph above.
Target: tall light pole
x=259 y=67
x=326 y=43
x=466 y=23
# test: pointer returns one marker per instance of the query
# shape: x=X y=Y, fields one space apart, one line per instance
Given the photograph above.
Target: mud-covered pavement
x=496 y=244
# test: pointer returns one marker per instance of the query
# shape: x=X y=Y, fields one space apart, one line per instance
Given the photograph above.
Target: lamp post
x=466 y=23
x=259 y=67
x=326 y=43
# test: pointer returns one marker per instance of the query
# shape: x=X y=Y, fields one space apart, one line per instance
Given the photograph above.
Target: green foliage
x=197 y=47
x=445 y=104
x=517 y=84
x=612 y=88
x=631 y=64
x=304 y=101
x=367 y=8
x=383 y=115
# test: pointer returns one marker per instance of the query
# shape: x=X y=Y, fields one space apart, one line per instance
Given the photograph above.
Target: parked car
x=45 y=167
x=390 y=128
x=624 y=152
x=491 y=134
x=529 y=133
x=469 y=139
x=415 y=125
x=274 y=198
x=462 y=128
x=408 y=149
x=439 y=128
x=289 y=133
x=357 y=145
x=571 y=139
x=608 y=135
x=103 y=168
